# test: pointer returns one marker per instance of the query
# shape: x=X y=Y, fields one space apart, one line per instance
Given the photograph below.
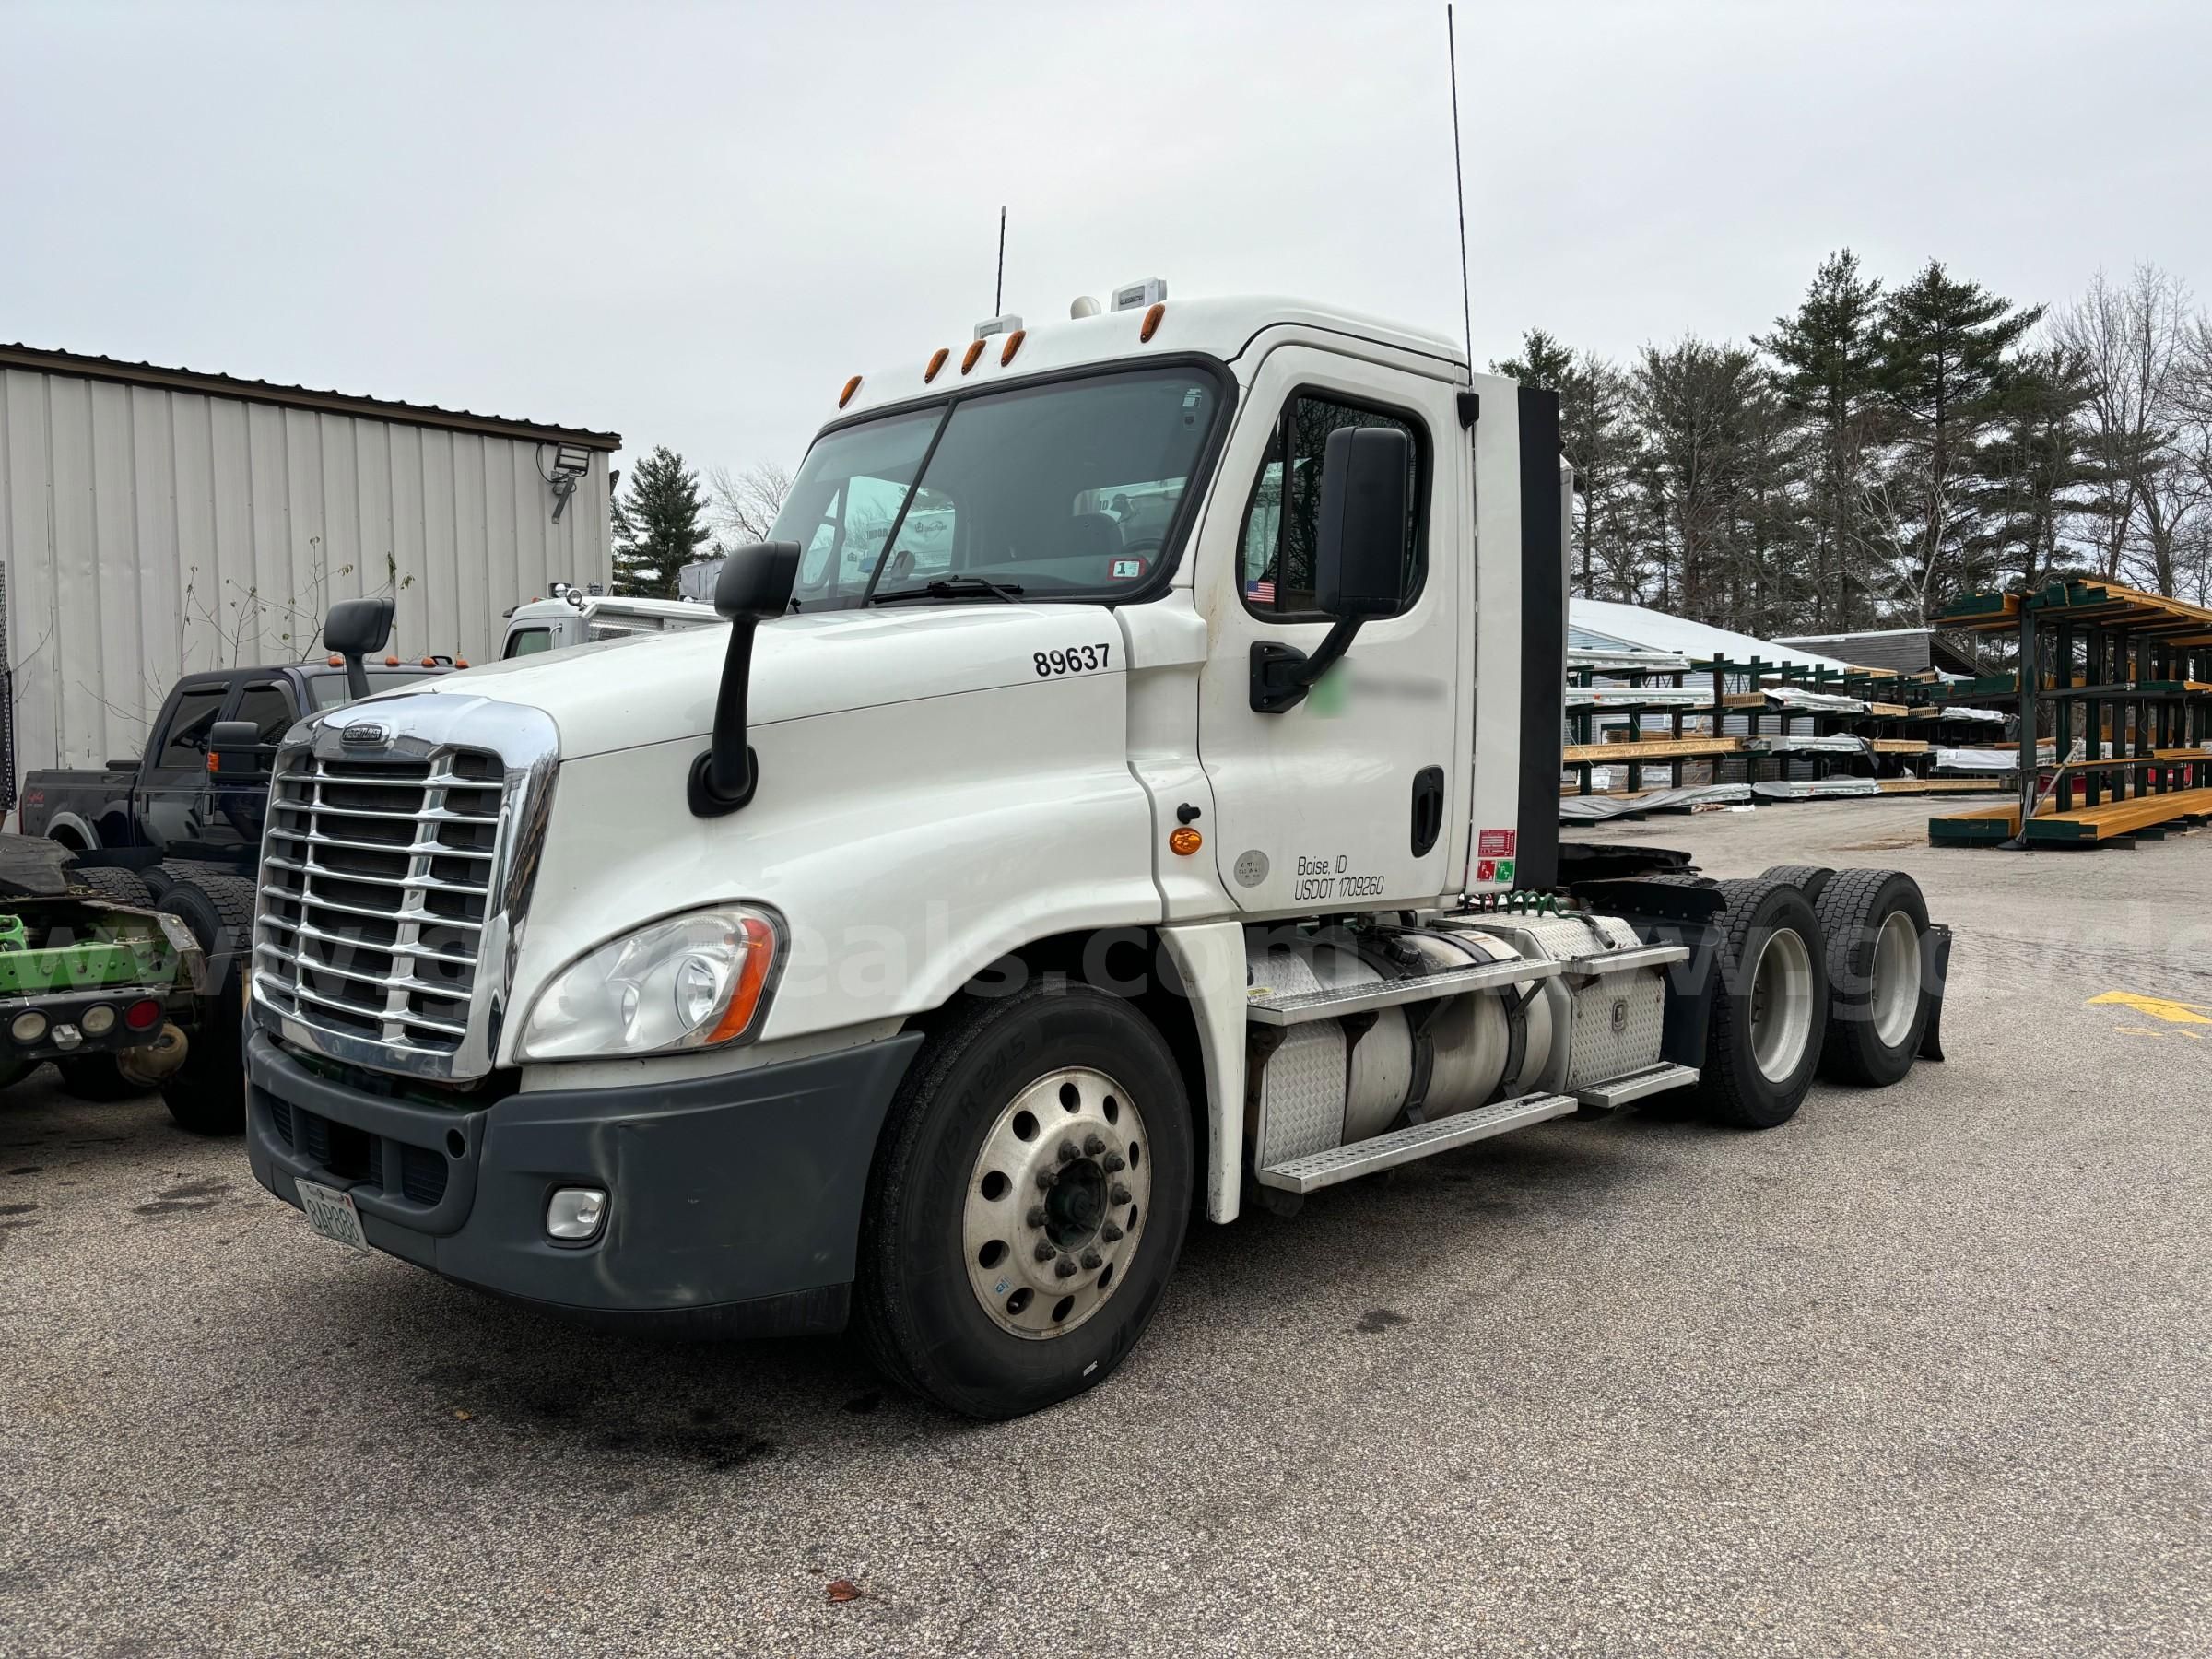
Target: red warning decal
x=1496 y=843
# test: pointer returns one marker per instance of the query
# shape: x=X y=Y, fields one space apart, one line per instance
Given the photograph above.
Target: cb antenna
x=998 y=294
x=1459 y=189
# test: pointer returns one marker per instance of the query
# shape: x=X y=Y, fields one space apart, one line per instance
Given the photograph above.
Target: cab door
x=1349 y=800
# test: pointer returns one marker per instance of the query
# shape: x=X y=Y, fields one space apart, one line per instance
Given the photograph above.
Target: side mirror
x=1359 y=562
x=353 y=629
x=754 y=587
x=1359 y=558
x=234 y=750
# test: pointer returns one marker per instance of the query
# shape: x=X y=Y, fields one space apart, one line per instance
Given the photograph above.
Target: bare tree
x=2136 y=340
x=744 y=503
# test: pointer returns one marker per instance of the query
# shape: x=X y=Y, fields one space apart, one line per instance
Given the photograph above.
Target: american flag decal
x=1260 y=590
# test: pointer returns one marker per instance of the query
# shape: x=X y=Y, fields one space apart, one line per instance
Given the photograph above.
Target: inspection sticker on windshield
x=1124 y=570
x=1076 y=659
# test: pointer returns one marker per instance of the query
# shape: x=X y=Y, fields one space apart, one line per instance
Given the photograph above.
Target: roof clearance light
x=391 y=662
x=845 y=396
x=336 y=661
x=460 y=662
x=937 y=361
x=975 y=349
x=1151 y=325
x=1013 y=344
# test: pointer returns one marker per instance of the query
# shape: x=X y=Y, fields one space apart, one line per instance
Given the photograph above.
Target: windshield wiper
x=953 y=587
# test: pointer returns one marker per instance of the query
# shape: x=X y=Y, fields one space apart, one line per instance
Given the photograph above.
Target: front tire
x=1770 y=1008
x=1027 y=1203
x=207 y=1095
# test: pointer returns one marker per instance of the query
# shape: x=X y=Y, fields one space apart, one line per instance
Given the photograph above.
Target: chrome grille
x=378 y=882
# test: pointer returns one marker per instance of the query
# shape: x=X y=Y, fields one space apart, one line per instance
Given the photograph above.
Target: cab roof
x=1220 y=327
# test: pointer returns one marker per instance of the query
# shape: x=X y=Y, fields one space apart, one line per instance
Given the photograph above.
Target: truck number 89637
x=1076 y=659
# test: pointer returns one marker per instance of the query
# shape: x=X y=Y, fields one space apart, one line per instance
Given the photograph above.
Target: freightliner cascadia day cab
x=1155 y=817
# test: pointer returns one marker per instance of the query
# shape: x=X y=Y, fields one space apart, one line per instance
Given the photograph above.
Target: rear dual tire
x=1768 y=1022
x=1879 y=1003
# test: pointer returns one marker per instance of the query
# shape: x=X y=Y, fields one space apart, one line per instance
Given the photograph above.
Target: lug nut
x=1065 y=1267
x=1114 y=1163
x=1036 y=1216
x=1111 y=1233
x=1043 y=1250
x=1069 y=1153
x=1044 y=1180
x=1093 y=1260
x=1094 y=1143
x=1121 y=1194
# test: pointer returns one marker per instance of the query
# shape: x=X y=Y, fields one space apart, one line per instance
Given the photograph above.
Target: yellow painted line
x=2157 y=1007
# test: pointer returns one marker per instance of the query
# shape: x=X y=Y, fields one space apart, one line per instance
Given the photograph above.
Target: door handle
x=1428 y=808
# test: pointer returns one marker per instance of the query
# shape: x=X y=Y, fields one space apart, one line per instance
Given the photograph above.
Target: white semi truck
x=1168 y=825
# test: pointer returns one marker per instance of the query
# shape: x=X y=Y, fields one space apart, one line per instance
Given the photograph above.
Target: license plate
x=330 y=1213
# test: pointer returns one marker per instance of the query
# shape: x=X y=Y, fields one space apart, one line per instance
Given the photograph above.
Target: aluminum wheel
x=1782 y=1004
x=1056 y=1203
x=1896 y=990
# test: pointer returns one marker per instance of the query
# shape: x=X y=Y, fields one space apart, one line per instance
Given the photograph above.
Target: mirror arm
x=723 y=778
x=1282 y=675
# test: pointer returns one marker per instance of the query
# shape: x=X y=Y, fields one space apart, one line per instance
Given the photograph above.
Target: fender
x=1210 y=957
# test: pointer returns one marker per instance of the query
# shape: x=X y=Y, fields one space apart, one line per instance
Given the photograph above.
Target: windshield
x=1055 y=491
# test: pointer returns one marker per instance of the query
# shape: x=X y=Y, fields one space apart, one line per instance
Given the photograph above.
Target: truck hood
x=619 y=694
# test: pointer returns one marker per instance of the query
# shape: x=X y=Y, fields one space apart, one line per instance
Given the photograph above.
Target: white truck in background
x=573 y=616
x=1166 y=823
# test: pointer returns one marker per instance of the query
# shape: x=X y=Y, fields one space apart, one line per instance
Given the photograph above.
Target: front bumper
x=734 y=1205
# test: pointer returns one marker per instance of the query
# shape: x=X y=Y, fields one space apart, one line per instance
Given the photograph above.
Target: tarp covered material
x=1656 y=697
x=1839 y=743
x=1655 y=630
x=1814 y=702
x=1590 y=809
x=1808 y=789
x=1977 y=761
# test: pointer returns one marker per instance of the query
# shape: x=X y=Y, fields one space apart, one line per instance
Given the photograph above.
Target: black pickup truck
x=169 y=804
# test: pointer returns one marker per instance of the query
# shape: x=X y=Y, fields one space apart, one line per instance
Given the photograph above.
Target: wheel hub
x=1056 y=1203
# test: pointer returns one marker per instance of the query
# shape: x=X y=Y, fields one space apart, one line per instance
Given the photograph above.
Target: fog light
x=143 y=1015
x=99 y=1021
x=575 y=1214
x=29 y=1028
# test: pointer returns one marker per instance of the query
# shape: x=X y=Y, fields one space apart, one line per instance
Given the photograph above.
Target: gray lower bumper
x=735 y=1200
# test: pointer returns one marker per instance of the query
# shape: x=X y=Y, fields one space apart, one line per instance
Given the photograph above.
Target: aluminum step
x=1635 y=1085
x=1403 y=1146
x=1291 y=1008
x=1624 y=961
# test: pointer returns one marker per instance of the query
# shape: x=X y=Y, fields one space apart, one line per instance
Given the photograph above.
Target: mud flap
x=1935 y=967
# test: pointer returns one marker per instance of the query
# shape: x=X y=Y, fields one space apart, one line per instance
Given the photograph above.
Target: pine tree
x=658 y=525
x=1944 y=369
x=1828 y=356
x=1600 y=444
x=2037 y=476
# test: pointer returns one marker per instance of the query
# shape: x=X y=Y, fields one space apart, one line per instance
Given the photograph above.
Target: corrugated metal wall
x=148 y=531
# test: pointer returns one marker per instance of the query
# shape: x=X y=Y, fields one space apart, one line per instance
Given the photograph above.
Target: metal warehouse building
x=154 y=520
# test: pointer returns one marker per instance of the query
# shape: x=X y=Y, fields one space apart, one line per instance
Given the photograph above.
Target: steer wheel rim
x=1782 y=1004
x=1056 y=1203
x=1895 y=993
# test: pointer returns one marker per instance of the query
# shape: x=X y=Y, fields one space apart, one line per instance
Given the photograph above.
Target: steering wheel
x=1143 y=544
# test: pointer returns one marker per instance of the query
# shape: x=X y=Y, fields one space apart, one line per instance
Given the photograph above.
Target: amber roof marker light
x=845 y=396
x=975 y=349
x=937 y=361
x=1151 y=325
x=1013 y=344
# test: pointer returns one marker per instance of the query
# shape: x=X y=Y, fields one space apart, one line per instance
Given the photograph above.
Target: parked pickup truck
x=168 y=803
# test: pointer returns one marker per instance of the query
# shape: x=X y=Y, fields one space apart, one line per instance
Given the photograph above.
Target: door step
x=1290 y=1008
x=1635 y=1085
x=1420 y=1140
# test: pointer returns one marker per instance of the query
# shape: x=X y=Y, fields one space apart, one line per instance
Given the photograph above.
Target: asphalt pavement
x=1927 y=1371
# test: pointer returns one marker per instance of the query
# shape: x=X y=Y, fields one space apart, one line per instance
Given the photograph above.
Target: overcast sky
x=690 y=223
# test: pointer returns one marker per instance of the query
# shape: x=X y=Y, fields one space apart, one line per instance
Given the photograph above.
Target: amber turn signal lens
x=752 y=978
x=845 y=396
x=1152 y=319
x=937 y=361
x=1184 y=841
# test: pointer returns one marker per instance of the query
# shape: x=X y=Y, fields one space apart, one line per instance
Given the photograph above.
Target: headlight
x=689 y=982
